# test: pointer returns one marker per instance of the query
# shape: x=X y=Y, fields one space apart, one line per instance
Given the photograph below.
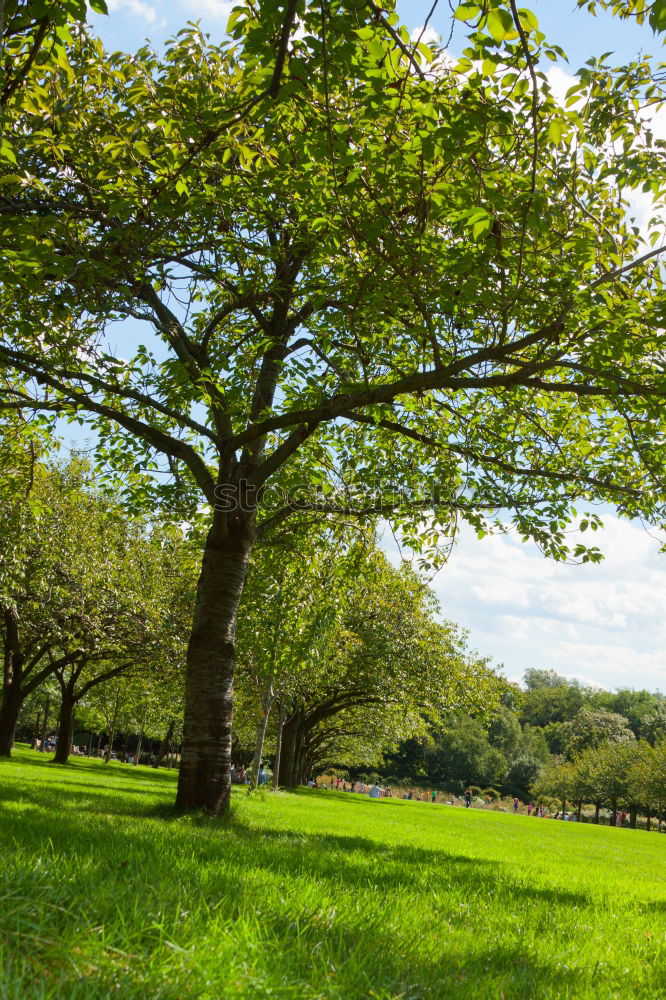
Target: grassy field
x=104 y=893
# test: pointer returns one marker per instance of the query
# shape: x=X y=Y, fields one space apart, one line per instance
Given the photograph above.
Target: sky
x=602 y=624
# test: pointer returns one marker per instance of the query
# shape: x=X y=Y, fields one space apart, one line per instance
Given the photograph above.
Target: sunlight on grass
x=105 y=892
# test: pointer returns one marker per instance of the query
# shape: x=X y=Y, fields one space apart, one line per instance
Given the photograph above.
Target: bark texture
x=65 y=729
x=9 y=713
x=204 y=780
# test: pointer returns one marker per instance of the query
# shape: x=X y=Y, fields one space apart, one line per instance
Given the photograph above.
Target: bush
x=491 y=793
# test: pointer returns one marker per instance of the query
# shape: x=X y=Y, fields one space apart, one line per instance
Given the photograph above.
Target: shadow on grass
x=81 y=765
x=236 y=871
x=337 y=858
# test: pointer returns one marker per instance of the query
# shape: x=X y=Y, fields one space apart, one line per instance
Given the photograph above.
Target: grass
x=312 y=896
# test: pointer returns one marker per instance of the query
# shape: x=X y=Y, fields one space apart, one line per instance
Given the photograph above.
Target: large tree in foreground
x=377 y=281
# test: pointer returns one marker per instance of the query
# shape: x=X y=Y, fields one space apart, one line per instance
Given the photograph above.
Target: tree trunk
x=290 y=737
x=112 y=729
x=258 y=748
x=278 y=750
x=165 y=744
x=597 y=807
x=12 y=696
x=613 y=812
x=633 y=816
x=65 y=729
x=47 y=708
x=9 y=713
x=137 y=755
x=579 y=811
x=648 y=819
x=204 y=780
x=90 y=740
x=300 y=762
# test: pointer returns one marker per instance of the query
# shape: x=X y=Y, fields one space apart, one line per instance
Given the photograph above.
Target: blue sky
x=579 y=33
x=604 y=624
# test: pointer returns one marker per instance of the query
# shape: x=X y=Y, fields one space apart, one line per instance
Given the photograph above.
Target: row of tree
x=88 y=596
x=340 y=654
x=343 y=659
x=627 y=774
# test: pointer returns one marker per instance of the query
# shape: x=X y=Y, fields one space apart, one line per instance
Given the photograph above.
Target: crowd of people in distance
x=240 y=776
x=375 y=791
x=51 y=742
x=468 y=799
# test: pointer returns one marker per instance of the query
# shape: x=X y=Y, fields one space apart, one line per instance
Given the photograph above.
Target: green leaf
x=555 y=130
x=467 y=12
x=500 y=25
x=7 y=152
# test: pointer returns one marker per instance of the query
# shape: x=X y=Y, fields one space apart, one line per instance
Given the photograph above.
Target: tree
x=556 y=701
x=588 y=780
x=591 y=728
x=45 y=624
x=461 y=754
x=643 y=710
x=32 y=33
x=647 y=779
x=292 y=608
x=86 y=595
x=613 y=763
x=653 y=723
x=362 y=303
x=558 y=780
x=385 y=665
x=137 y=603
x=639 y=10
x=538 y=680
x=529 y=759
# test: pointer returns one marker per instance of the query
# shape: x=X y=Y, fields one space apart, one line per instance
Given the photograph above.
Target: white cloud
x=211 y=8
x=604 y=624
x=560 y=81
x=427 y=35
x=582 y=679
x=136 y=8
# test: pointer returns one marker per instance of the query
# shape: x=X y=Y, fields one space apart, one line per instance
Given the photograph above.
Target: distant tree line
x=536 y=736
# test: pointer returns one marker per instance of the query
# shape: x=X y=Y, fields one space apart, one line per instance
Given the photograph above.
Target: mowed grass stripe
x=315 y=895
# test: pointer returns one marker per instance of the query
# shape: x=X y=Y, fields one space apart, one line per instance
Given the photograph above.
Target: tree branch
x=285 y=35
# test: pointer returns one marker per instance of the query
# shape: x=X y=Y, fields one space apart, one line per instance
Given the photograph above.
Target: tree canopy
x=369 y=279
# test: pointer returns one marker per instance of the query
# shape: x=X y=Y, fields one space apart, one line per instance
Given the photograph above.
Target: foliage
x=557 y=780
x=461 y=754
x=358 y=658
x=552 y=703
x=334 y=295
x=590 y=728
x=621 y=772
x=647 y=778
x=639 y=10
x=87 y=592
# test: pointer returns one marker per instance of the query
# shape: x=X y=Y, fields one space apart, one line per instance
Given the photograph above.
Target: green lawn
x=104 y=893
